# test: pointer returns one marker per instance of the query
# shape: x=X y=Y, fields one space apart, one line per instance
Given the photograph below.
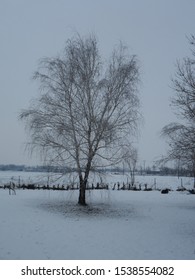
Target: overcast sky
x=154 y=30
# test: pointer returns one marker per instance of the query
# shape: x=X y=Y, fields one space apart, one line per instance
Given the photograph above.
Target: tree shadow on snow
x=95 y=210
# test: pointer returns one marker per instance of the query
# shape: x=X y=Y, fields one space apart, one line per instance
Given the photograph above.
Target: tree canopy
x=86 y=108
x=181 y=136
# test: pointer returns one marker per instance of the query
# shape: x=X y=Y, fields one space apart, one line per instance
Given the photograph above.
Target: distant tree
x=130 y=159
x=181 y=136
x=85 y=110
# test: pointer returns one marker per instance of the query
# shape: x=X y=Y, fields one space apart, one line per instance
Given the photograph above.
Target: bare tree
x=85 y=109
x=130 y=159
x=181 y=136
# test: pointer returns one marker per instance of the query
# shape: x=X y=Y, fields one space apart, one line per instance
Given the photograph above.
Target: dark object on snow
x=165 y=191
x=148 y=189
x=181 y=189
x=192 y=191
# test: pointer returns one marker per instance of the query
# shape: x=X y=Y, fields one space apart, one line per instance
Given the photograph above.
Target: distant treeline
x=14 y=167
x=163 y=171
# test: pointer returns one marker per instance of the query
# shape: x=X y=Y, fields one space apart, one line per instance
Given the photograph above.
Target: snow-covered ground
x=47 y=224
x=159 y=182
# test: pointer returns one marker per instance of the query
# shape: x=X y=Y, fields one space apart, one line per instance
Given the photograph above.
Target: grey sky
x=154 y=30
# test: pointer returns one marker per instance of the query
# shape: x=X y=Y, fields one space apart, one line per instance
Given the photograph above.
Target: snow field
x=46 y=224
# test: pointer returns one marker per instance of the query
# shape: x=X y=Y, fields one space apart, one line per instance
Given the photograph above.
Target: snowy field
x=159 y=182
x=47 y=224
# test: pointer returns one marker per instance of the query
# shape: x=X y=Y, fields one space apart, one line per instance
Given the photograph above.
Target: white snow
x=47 y=224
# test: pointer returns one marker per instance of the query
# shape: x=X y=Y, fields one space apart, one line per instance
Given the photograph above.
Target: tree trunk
x=83 y=182
x=82 y=190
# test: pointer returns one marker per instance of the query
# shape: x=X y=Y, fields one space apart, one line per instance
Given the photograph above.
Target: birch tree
x=85 y=109
x=181 y=136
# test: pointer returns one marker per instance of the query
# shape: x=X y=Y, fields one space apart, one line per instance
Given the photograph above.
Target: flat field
x=47 y=224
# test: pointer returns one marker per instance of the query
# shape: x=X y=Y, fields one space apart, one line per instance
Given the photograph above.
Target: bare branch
x=85 y=108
